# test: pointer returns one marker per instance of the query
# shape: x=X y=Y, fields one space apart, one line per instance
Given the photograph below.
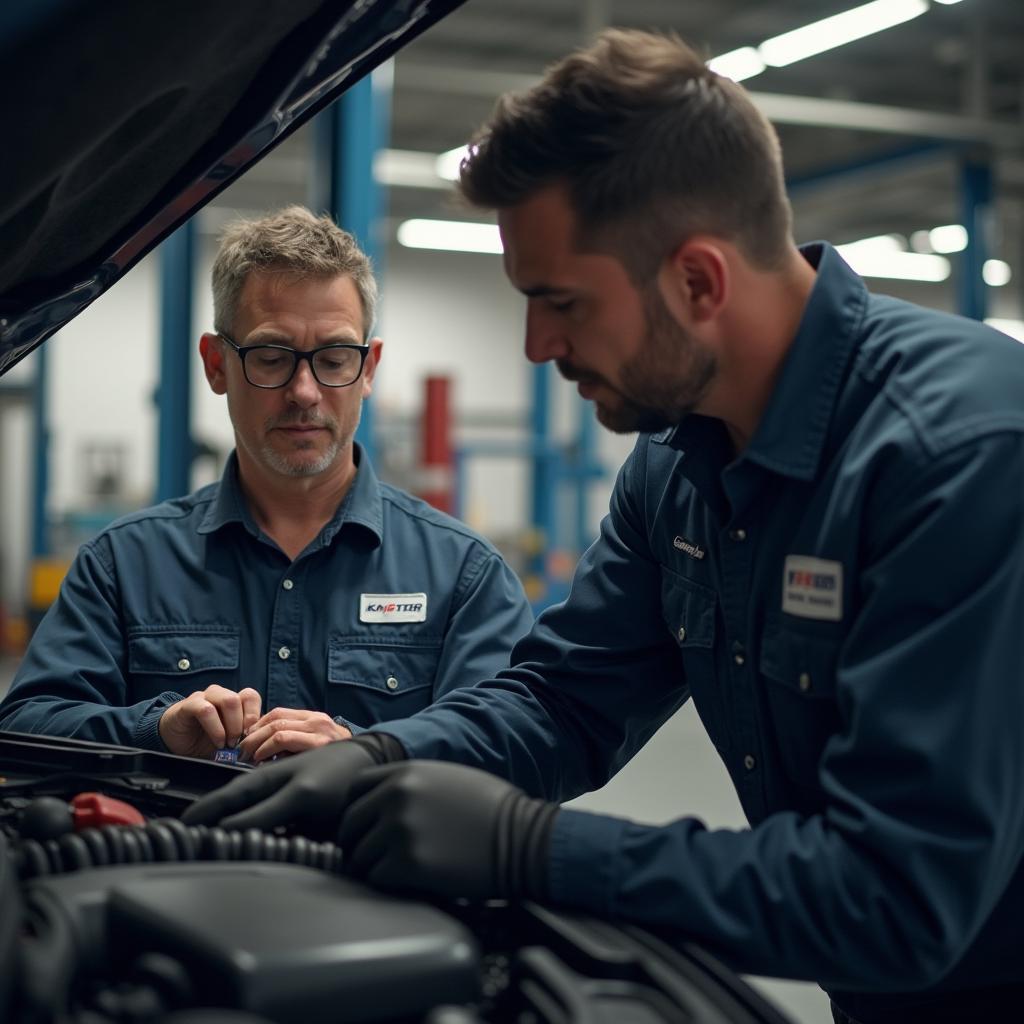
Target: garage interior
x=905 y=146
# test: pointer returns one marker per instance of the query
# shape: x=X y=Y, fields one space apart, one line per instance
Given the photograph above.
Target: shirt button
x=739 y=653
x=287 y=584
x=681 y=634
x=184 y=664
x=738 y=535
x=804 y=681
x=391 y=683
x=284 y=653
x=749 y=762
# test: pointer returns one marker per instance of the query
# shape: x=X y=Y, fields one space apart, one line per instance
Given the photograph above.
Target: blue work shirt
x=844 y=603
x=392 y=605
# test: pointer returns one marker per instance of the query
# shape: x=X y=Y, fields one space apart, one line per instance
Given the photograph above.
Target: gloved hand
x=307 y=791
x=448 y=830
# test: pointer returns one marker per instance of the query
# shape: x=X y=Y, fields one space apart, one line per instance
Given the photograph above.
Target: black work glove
x=307 y=792
x=447 y=830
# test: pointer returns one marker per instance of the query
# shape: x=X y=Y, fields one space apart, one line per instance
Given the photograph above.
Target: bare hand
x=209 y=719
x=290 y=731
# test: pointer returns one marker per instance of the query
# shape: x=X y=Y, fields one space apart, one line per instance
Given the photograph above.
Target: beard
x=663 y=383
x=296 y=462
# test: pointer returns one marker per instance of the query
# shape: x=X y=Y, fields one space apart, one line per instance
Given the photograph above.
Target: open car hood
x=120 y=120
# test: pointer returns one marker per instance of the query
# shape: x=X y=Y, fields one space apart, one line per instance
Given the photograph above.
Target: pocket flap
x=688 y=609
x=800 y=662
x=182 y=652
x=391 y=669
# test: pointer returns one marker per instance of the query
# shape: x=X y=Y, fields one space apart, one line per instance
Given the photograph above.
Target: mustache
x=302 y=418
x=572 y=373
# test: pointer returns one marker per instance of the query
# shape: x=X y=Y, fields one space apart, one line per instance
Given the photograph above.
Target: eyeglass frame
x=298 y=355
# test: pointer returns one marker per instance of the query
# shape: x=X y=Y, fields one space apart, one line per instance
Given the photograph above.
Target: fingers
x=288 y=731
x=278 y=809
x=252 y=704
x=228 y=704
x=288 y=741
x=365 y=797
x=234 y=797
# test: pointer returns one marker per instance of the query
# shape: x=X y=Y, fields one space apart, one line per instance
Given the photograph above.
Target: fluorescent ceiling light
x=996 y=273
x=884 y=256
x=738 y=64
x=408 y=168
x=1014 y=328
x=450 y=235
x=838 y=30
x=948 y=238
x=948 y=3
x=447 y=164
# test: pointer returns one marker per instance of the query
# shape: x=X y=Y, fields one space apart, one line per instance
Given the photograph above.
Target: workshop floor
x=677 y=773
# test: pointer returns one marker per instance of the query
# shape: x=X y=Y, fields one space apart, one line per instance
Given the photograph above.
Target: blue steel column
x=347 y=136
x=543 y=496
x=41 y=440
x=586 y=470
x=976 y=195
x=173 y=392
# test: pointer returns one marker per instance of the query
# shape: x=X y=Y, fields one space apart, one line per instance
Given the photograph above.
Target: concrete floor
x=677 y=773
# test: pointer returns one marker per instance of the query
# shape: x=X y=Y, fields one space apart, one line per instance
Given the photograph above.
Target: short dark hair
x=293 y=241
x=652 y=147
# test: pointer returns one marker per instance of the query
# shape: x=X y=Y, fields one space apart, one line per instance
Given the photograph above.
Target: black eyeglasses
x=272 y=366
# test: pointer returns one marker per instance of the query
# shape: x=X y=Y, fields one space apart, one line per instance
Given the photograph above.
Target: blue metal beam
x=41 y=445
x=884 y=162
x=347 y=136
x=976 y=195
x=173 y=390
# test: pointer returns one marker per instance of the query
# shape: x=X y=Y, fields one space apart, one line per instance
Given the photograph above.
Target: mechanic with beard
x=298 y=600
x=818 y=537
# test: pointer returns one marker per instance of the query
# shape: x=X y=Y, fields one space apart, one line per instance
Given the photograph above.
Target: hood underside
x=121 y=119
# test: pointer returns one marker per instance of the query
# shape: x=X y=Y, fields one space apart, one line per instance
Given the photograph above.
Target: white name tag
x=812 y=588
x=392 y=607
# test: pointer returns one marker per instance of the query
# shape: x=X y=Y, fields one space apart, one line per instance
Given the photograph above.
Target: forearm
x=46 y=714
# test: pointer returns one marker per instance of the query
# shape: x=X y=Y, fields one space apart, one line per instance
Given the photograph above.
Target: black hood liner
x=120 y=119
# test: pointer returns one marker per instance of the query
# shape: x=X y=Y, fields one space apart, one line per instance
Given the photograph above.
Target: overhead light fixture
x=1014 y=328
x=996 y=273
x=885 y=256
x=947 y=3
x=447 y=164
x=948 y=238
x=843 y=28
x=450 y=236
x=738 y=64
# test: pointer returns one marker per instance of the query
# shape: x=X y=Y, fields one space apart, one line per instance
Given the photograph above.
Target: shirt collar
x=362 y=505
x=791 y=435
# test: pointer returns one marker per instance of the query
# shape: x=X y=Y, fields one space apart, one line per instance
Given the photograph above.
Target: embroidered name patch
x=812 y=588
x=688 y=547
x=392 y=607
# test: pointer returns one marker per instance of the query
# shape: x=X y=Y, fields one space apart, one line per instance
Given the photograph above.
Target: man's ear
x=695 y=280
x=371 y=364
x=211 y=349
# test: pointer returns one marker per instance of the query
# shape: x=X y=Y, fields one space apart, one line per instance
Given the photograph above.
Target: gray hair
x=291 y=241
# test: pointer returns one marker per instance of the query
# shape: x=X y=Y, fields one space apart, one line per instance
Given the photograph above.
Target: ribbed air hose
x=166 y=840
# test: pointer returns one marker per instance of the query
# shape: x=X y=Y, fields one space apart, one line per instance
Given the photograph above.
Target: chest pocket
x=799 y=672
x=380 y=681
x=689 y=611
x=181 y=660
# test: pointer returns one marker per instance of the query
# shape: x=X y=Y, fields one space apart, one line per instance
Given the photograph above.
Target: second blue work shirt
x=392 y=605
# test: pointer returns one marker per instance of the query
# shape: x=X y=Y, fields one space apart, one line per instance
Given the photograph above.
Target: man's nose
x=303 y=389
x=545 y=338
